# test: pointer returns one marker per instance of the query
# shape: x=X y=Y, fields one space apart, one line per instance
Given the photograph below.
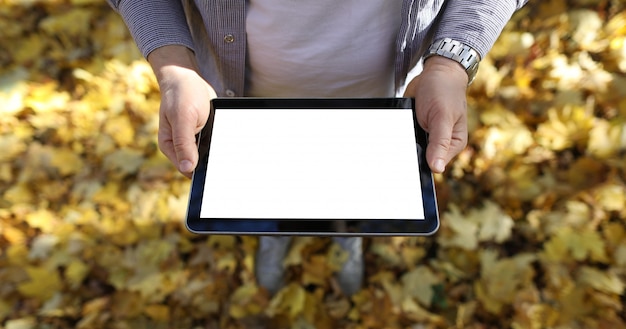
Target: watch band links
x=457 y=51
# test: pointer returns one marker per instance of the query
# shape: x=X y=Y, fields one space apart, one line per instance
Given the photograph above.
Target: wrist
x=166 y=58
x=449 y=66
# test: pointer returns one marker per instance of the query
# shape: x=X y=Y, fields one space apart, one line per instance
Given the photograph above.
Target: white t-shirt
x=321 y=48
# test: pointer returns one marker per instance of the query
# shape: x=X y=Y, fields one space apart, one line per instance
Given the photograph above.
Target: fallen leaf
x=418 y=284
x=601 y=280
x=160 y=313
x=289 y=301
x=42 y=284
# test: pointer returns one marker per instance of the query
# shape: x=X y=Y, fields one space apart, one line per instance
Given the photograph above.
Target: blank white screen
x=318 y=164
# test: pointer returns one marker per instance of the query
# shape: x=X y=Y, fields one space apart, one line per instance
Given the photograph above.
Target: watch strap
x=457 y=51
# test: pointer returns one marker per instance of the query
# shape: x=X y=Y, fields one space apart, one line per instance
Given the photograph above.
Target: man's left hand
x=441 y=106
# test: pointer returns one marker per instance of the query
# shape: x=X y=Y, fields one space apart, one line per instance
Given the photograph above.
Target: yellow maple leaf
x=123 y=162
x=586 y=28
x=152 y=253
x=127 y=304
x=501 y=278
x=12 y=98
x=294 y=256
x=120 y=129
x=96 y=305
x=506 y=135
x=620 y=255
x=488 y=223
x=148 y=282
x=411 y=255
x=54 y=307
x=289 y=301
x=616 y=26
x=158 y=312
x=605 y=281
x=28 y=48
x=46 y=97
x=242 y=301
x=617 y=50
x=336 y=257
x=614 y=233
x=222 y=242
x=386 y=252
x=11 y=147
x=495 y=224
x=43 y=283
x=66 y=161
x=6 y=172
x=520 y=183
x=18 y=194
x=29 y=322
x=490 y=77
x=109 y=195
x=226 y=262
x=12 y=234
x=458 y=230
x=42 y=246
x=611 y=197
x=512 y=43
x=565 y=127
x=362 y=300
x=73 y=22
x=43 y=219
x=112 y=39
x=17 y=254
x=389 y=283
x=316 y=270
x=417 y=313
x=606 y=138
x=418 y=283
x=75 y=272
x=172 y=209
x=577 y=245
x=142 y=79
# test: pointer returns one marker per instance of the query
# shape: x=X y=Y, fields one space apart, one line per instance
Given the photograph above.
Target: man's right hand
x=185 y=104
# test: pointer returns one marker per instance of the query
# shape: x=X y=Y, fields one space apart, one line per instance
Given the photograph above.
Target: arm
x=160 y=30
x=154 y=23
x=440 y=90
x=477 y=23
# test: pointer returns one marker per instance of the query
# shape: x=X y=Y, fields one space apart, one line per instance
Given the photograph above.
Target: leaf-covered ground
x=533 y=212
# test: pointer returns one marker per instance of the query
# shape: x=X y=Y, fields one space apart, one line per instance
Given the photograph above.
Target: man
x=314 y=48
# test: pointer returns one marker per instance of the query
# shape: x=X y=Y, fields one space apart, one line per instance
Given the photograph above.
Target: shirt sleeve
x=154 y=23
x=477 y=23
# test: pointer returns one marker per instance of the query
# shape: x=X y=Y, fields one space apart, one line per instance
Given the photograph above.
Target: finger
x=165 y=139
x=439 y=142
x=166 y=145
x=183 y=131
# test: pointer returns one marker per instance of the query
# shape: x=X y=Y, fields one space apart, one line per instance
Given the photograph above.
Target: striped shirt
x=215 y=30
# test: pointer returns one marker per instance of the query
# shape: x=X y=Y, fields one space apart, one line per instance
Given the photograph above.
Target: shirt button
x=230 y=93
x=229 y=38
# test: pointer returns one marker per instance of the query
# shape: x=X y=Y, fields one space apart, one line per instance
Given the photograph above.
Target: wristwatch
x=457 y=51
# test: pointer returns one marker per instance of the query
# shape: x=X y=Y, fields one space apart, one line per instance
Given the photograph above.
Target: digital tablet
x=312 y=167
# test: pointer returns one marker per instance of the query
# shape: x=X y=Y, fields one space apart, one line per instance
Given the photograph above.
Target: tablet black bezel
x=357 y=227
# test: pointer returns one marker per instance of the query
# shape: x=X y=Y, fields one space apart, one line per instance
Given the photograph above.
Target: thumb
x=439 y=142
x=184 y=143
